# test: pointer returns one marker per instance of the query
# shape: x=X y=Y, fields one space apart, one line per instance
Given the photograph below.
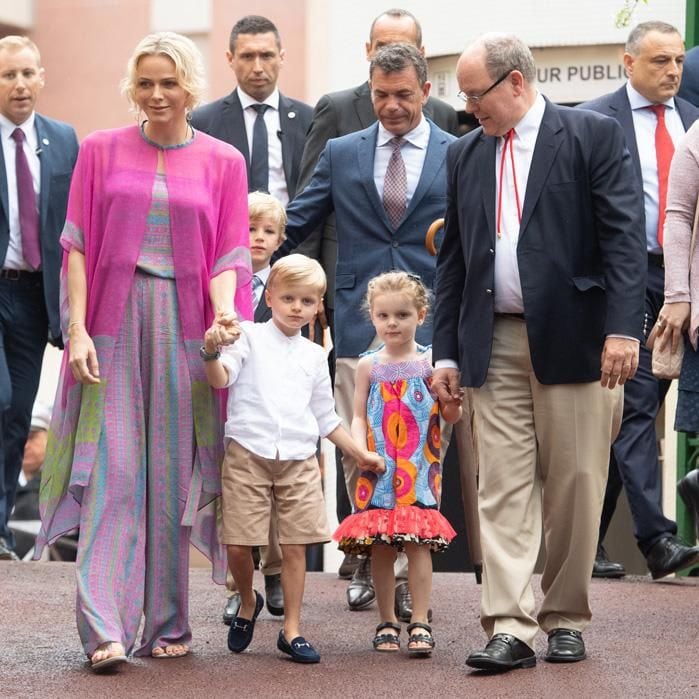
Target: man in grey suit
x=256 y=118
x=348 y=181
x=37 y=156
x=653 y=60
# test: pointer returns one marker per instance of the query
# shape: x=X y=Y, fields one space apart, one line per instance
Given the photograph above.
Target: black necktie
x=259 y=159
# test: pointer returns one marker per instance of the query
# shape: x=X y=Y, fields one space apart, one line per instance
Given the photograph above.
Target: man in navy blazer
x=256 y=56
x=28 y=292
x=653 y=60
x=539 y=284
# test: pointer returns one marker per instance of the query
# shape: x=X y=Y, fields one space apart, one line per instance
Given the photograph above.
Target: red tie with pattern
x=664 y=150
x=26 y=198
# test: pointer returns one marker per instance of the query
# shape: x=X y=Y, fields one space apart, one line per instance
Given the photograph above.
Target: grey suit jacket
x=58 y=146
x=223 y=119
x=338 y=114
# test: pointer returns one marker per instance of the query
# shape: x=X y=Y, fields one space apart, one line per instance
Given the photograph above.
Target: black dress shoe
x=565 y=646
x=668 y=555
x=348 y=566
x=688 y=488
x=604 y=568
x=404 y=603
x=274 y=594
x=231 y=608
x=360 y=592
x=6 y=552
x=504 y=652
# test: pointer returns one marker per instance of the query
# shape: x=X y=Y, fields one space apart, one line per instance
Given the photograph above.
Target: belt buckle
x=12 y=274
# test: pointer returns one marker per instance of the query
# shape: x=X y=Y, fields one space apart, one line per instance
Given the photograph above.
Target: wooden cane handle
x=432 y=231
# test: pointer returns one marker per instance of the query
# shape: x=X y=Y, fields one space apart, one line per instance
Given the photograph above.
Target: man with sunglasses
x=539 y=302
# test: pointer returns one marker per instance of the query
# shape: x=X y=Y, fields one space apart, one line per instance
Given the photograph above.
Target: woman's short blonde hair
x=295 y=270
x=261 y=205
x=182 y=51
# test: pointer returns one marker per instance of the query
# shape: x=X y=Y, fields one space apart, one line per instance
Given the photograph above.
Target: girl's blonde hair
x=402 y=283
x=182 y=51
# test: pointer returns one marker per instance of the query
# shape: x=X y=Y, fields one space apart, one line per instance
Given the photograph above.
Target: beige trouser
x=270 y=555
x=543 y=454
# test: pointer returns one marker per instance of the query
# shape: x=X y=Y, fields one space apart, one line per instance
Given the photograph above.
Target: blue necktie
x=259 y=158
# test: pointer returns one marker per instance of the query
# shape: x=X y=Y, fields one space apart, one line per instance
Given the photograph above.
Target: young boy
x=267 y=223
x=279 y=403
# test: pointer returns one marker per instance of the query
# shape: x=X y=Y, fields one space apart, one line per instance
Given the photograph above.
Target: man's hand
x=446 y=386
x=619 y=361
x=321 y=318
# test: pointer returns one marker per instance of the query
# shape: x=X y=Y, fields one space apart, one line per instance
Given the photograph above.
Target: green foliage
x=625 y=14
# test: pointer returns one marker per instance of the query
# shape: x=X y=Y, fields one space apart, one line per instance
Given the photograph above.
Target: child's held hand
x=225 y=330
x=372 y=462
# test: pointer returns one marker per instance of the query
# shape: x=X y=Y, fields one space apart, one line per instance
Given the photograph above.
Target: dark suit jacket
x=616 y=105
x=59 y=150
x=689 y=87
x=368 y=245
x=223 y=119
x=339 y=114
x=581 y=250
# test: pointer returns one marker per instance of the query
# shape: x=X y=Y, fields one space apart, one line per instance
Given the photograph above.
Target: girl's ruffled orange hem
x=404 y=524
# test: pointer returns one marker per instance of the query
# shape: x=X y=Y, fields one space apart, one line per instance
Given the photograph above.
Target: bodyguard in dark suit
x=653 y=59
x=539 y=284
x=256 y=57
x=36 y=163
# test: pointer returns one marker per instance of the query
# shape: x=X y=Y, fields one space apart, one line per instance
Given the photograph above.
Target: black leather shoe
x=504 y=652
x=274 y=594
x=604 y=568
x=668 y=555
x=360 y=592
x=565 y=646
x=230 y=609
x=6 y=552
x=348 y=566
x=688 y=488
x=404 y=604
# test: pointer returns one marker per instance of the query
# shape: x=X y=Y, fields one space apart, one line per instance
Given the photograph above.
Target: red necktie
x=509 y=137
x=26 y=198
x=664 y=150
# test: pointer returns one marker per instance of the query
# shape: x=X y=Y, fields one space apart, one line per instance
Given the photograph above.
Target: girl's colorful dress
x=402 y=504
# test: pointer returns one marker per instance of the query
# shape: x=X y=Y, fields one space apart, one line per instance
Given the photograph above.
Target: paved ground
x=642 y=643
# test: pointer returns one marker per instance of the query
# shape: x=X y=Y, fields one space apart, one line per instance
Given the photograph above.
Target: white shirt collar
x=247 y=101
x=638 y=101
x=528 y=126
x=7 y=127
x=263 y=274
x=419 y=136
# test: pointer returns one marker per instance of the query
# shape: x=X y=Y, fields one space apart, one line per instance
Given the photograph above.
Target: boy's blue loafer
x=241 y=630
x=300 y=650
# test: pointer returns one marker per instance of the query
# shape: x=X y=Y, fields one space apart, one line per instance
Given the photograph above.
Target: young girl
x=395 y=415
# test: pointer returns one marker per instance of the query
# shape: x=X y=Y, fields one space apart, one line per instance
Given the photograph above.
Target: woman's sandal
x=420 y=652
x=112 y=660
x=391 y=640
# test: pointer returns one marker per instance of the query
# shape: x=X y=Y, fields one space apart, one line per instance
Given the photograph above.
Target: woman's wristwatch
x=208 y=357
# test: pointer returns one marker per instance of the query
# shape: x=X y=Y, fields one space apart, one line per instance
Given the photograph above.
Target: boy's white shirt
x=279 y=397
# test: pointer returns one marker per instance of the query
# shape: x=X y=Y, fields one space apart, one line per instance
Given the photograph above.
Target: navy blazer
x=616 y=105
x=58 y=150
x=581 y=249
x=343 y=182
x=223 y=119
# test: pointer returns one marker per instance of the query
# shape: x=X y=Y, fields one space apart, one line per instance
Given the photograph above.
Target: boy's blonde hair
x=399 y=282
x=298 y=269
x=261 y=205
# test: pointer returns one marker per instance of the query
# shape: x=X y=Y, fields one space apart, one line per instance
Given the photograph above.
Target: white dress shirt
x=508 y=289
x=279 y=399
x=644 y=123
x=277 y=178
x=14 y=258
x=413 y=152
